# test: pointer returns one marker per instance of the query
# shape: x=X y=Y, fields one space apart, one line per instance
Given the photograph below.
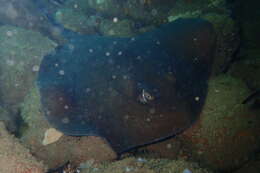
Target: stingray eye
x=148 y=96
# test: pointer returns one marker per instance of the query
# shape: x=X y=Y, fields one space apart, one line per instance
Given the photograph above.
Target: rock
x=149 y=11
x=216 y=12
x=20 y=56
x=170 y=149
x=14 y=158
x=247 y=69
x=247 y=17
x=248 y=64
x=74 y=149
x=24 y=14
x=109 y=7
x=77 y=21
x=227 y=41
x=140 y=13
x=191 y=9
x=143 y=165
x=188 y=14
x=51 y=135
x=121 y=28
x=252 y=167
x=226 y=134
x=8 y=119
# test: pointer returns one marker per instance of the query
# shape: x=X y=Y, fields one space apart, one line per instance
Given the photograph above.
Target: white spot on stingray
x=115 y=19
x=125 y=77
x=90 y=50
x=148 y=119
x=138 y=57
x=152 y=111
x=120 y=53
x=88 y=90
x=169 y=146
x=71 y=47
x=113 y=76
x=66 y=107
x=126 y=117
x=61 y=72
x=197 y=98
x=110 y=61
x=65 y=120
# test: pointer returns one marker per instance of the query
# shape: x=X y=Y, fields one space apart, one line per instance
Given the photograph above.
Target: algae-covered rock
x=227 y=42
x=143 y=165
x=8 y=119
x=188 y=14
x=20 y=56
x=247 y=15
x=77 y=21
x=24 y=14
x=14 y=158
x=111 y=7
x=141 y=13
x=248 y=70
x=75 y=149
x=227 y=132
x=192 y=9
x=214 y=11
x=248 y=66
x=151 y=10
x=252 y=166
x=121 y=28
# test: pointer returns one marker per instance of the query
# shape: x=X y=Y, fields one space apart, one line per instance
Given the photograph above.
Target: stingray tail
x=254 y=95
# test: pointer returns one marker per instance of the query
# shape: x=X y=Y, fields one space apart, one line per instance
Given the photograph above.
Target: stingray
x=130 y=91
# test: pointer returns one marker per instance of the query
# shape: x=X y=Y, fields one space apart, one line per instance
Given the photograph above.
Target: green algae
x=227 y=133
x=20 y=56
x=75 y=20
x=221 y=22
x=31 y=110
x=141 y=165
x=122 y=28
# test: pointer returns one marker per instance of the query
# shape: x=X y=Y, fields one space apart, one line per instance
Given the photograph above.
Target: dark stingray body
x=91 y=85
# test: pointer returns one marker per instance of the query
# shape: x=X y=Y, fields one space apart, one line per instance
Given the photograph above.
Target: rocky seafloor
x=224 y=139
